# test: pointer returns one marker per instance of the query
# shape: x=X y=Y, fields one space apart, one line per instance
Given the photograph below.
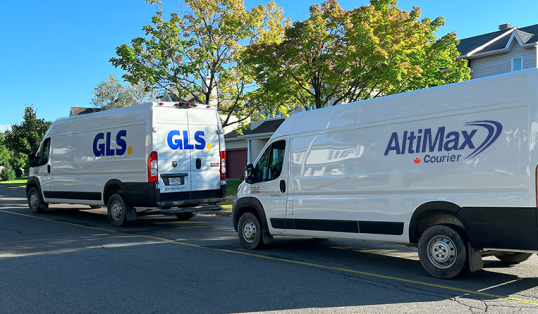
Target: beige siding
x=256 y=147
x=236 y=144
x=502 y=63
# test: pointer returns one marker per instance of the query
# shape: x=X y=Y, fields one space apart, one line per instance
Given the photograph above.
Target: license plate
x=174 y=181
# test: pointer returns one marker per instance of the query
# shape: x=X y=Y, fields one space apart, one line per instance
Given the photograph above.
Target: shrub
x=7 y=174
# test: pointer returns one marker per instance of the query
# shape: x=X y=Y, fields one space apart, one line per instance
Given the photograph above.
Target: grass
x=227 y=205
x=19 y=182
x=231 y=186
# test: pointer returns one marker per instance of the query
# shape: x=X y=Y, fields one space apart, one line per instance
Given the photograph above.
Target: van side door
x=271 y=186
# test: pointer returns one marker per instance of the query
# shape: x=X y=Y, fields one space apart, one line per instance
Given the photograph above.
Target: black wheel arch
x=249 y=204
x=34 y=182
x=112 y=187
x=440 y=207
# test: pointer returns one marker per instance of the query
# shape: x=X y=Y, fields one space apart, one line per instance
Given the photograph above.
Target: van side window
x=270 y=165
x=43 y=155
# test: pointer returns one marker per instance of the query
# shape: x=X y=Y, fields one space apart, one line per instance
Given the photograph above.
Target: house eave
x=256 y=136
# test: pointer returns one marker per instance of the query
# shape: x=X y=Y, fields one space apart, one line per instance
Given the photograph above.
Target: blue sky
x=53 y=53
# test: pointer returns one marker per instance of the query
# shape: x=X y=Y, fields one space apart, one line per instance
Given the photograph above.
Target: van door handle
x=198 y=163
x=282 y=186
x=48 y=168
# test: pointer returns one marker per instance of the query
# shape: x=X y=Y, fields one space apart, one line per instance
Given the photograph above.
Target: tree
x=342 y=56
x=5 y=154
x=111 y=94
x=197 y=53
x=24 y=138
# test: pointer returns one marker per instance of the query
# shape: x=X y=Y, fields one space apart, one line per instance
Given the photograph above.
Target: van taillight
x=153 y=171
x=223 y=165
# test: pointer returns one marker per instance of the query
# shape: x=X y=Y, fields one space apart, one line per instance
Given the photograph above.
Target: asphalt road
x=71 y=260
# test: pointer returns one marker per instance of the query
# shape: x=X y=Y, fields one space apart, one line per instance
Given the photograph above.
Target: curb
x=216 y=213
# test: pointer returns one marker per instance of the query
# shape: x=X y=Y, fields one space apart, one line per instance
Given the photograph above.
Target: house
x=75 y=111
x=506 y=50
x=243 y=149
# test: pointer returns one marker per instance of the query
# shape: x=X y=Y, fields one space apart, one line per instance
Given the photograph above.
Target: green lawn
x=232 y=185
x=19 y=182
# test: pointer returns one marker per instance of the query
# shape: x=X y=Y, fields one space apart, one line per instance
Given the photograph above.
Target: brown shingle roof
x=265 y=127
x=84 y=110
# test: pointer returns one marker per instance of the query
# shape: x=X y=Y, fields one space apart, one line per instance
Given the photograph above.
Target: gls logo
x=105 y=149
x=176 y=142
x=423 y=141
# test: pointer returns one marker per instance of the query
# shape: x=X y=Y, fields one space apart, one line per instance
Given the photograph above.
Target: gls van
x=151 y=158
x=450 y=169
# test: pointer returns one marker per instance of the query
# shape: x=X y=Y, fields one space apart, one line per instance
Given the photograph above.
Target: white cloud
x=4 y=127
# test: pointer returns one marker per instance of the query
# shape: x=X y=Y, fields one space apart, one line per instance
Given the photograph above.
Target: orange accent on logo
x=417 y=160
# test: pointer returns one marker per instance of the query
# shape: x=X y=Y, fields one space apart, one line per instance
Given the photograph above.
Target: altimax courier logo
x=425 y=141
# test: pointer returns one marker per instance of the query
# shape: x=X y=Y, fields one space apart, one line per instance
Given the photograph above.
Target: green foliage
x=196 y=54
x=7 y=174
x=339 y=56
x=111 y=94
x=24 y=138
x=5 y=154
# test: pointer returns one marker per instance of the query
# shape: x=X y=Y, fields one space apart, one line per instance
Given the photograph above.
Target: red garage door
x=236 y=160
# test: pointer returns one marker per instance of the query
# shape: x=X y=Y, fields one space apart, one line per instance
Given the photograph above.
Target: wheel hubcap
x=117 y=209
x=33 y=200
x=442 y=252
x=249 y=231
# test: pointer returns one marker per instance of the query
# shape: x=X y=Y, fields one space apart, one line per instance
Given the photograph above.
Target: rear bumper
x=505 y=228
x=148 y=195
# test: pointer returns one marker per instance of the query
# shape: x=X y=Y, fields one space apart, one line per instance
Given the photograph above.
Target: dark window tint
x=270 y=165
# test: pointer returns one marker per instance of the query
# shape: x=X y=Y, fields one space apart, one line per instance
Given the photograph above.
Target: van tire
x=514 y=258
x=442 y=251
x=117 y=210
x=35 y=201
x=184 y=216
x=250 y=231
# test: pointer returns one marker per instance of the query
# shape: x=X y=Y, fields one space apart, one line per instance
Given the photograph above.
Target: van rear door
x=171 y=142
x=205 y=152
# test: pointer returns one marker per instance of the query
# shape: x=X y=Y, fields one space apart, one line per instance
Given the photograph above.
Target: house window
x=517 y=64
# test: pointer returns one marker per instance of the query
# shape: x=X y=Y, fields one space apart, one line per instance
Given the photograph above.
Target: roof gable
x=497 y=41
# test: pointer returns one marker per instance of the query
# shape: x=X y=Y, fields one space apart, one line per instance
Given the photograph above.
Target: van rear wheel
x=513 y=258
x=442 y=251
x=250 y=231
x=184 y=216
x=117 y=210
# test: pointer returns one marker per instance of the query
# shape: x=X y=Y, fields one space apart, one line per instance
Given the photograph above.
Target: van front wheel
x=117 y=210
x=442 y=252
x=35 y=202
x=250 y=231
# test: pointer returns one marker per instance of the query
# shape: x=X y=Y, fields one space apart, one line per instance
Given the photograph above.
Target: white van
x=155 y=157
x=450 y=169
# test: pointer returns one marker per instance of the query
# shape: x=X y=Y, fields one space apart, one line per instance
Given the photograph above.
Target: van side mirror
x=250 y=174
x=32 y=160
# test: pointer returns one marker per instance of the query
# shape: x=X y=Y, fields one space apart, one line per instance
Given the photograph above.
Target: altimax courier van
x=450 y=169
x=155 y=157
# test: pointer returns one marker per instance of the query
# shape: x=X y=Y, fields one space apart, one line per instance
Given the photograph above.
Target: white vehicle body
x=87 y=158
x=387 y=169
